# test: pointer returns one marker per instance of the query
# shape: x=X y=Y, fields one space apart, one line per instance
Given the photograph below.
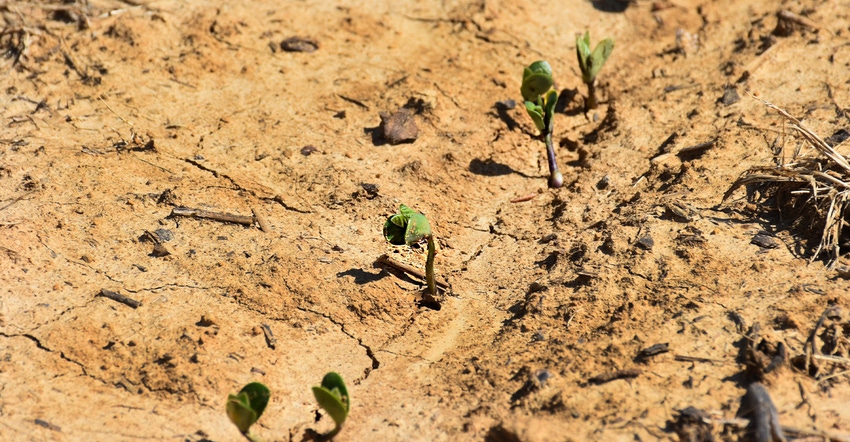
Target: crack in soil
x=238 y=187
x=102 y=272
x=279 y=199
x=55 y=318
x=173 y=285
x=41 y=346
x=116 y=384
x=217 y=174
x=375 y=362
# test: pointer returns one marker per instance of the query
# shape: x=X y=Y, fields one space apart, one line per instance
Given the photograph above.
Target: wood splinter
x=117 y=297
x=215 y=216
x=271 y=341
x=261 y=220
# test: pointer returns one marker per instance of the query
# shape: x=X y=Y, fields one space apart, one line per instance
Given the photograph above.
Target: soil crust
x=192 y=195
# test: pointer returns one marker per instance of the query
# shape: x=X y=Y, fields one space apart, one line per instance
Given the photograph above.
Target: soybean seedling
x=333 y=397
x=540 y=100
x=409 y=227
x=245 y=408
x=590 y=63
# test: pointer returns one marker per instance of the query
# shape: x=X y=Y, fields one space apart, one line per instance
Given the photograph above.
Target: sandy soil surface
x=597 y=311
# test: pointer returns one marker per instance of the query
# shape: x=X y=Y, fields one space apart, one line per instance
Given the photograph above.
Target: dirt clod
x=400 y=127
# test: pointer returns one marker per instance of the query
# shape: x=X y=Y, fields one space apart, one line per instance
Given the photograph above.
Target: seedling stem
x=429 y=266
x=540 y=102
x=556 y=178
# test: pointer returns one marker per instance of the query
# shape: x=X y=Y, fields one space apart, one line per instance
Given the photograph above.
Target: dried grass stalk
x=811 y=189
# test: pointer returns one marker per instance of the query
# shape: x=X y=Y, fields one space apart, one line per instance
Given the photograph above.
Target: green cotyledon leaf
x=240 y=413
x=599 y=56
x=406 y=227
x=333 y=397
x=536 y=80
x=536 y=114
x=583 y=55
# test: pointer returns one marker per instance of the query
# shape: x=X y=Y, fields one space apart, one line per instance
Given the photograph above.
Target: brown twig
x=117 y=297
x=215 y=216
x=696 y=148
x=684 y=358
x=810 y=348
x=385 y=259
x=524 y=198
x=614 y=375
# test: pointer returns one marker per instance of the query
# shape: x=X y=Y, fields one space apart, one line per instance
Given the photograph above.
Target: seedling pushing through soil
x=540 y=100
x=590 y=63
x=409 y=227
x=245 y=408
x=333 y=397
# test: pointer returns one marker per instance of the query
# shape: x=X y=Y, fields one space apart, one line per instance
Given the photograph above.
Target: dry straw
x=812 y=189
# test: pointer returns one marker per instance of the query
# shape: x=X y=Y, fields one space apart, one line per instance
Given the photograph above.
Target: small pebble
x=299 y=44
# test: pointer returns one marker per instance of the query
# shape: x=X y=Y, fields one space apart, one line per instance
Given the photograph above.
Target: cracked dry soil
x=593 y=312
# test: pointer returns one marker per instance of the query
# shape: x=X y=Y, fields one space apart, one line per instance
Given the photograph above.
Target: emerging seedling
x=245 y=408
x=590 y=63
x=540 y=100
x=409 y=227
x=333 y=397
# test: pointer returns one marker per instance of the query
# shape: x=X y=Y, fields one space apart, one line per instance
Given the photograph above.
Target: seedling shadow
x=565 y=99
x=614 y=6
x=770 y=220
x=377 y=135
x=311 y=435
x=491 y=168
x=502 y=108
x=363 y=277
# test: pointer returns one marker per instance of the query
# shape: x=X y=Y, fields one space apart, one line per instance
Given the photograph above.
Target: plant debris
x=117 y=297
x=812 y=190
